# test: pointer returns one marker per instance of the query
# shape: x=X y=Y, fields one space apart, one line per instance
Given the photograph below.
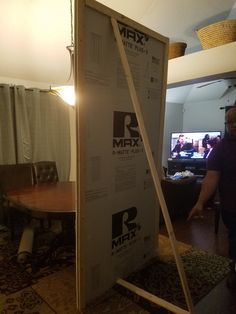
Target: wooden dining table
x=45 y=201
x=58 y=197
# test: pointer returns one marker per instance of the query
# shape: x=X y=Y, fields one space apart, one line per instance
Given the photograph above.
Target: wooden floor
x=200 y=233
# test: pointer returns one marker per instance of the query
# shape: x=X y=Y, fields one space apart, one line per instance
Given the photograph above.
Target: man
x=181 y=145
x=221 y=173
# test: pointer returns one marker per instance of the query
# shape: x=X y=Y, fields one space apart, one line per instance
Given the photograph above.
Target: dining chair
x=13 y=176
x=61 y=225
x=45 y=172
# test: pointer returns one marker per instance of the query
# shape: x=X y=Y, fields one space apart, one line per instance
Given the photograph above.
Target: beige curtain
x=34 y=126
x=7 y=126
x=22 y=136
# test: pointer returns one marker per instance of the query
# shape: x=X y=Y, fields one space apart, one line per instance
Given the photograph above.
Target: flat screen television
x=193 y=145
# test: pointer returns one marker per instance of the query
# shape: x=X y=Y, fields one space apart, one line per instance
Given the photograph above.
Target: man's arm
x=208 y=188
x=174 y=150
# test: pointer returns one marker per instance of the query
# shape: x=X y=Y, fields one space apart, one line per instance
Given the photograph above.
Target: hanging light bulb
x=67 y=92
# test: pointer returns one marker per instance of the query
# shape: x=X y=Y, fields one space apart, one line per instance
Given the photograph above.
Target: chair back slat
x=12 y=176
x=45 y=172
x=15 y=176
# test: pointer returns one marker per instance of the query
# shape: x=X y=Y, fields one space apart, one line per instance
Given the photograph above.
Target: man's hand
x=196 y=211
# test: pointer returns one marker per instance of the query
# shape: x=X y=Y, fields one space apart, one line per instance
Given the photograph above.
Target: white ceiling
x=34 y=33
x=176 y=19
x=204 y=91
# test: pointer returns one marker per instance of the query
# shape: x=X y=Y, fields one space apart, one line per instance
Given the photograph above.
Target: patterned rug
x=15 y=277
x=52 y=288
x=203 y=271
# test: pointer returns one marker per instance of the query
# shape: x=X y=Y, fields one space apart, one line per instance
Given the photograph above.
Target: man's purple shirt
x=223 y=159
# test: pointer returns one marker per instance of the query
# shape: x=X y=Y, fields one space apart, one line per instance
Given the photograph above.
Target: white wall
x=203 y=63
x=173 y=122
x=206 y=115
x=203 y=116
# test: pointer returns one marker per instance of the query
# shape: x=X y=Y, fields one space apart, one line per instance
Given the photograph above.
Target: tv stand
x=196 y=166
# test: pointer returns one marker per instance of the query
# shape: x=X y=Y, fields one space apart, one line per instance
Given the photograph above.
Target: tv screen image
x=193 y=145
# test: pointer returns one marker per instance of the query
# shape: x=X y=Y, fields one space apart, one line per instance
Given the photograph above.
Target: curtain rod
x=27 y=88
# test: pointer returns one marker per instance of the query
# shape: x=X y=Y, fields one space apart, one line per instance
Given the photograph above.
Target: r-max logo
x=125 y=124
x=124 y=227
x=137 y=37
x=123 y=221
x=125 y=130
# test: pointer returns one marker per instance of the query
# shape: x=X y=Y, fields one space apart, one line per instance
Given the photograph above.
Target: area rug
x=203 y=271
x=15 y=277
x=55 y=282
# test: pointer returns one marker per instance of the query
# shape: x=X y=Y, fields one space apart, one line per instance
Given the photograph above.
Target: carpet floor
x=51 y=289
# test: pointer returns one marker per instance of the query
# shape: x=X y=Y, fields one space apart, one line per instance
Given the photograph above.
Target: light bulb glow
x=67 y=93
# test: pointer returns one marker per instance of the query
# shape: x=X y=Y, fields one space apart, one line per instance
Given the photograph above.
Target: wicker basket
x=176 y=49
x=217 y=34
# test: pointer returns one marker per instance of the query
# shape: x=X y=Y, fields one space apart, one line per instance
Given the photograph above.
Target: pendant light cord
x=71 y=24
x=70 y=48
x=67 y=92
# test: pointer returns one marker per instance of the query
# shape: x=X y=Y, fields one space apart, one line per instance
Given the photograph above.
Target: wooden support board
x=119 y=118
x=156 y=180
